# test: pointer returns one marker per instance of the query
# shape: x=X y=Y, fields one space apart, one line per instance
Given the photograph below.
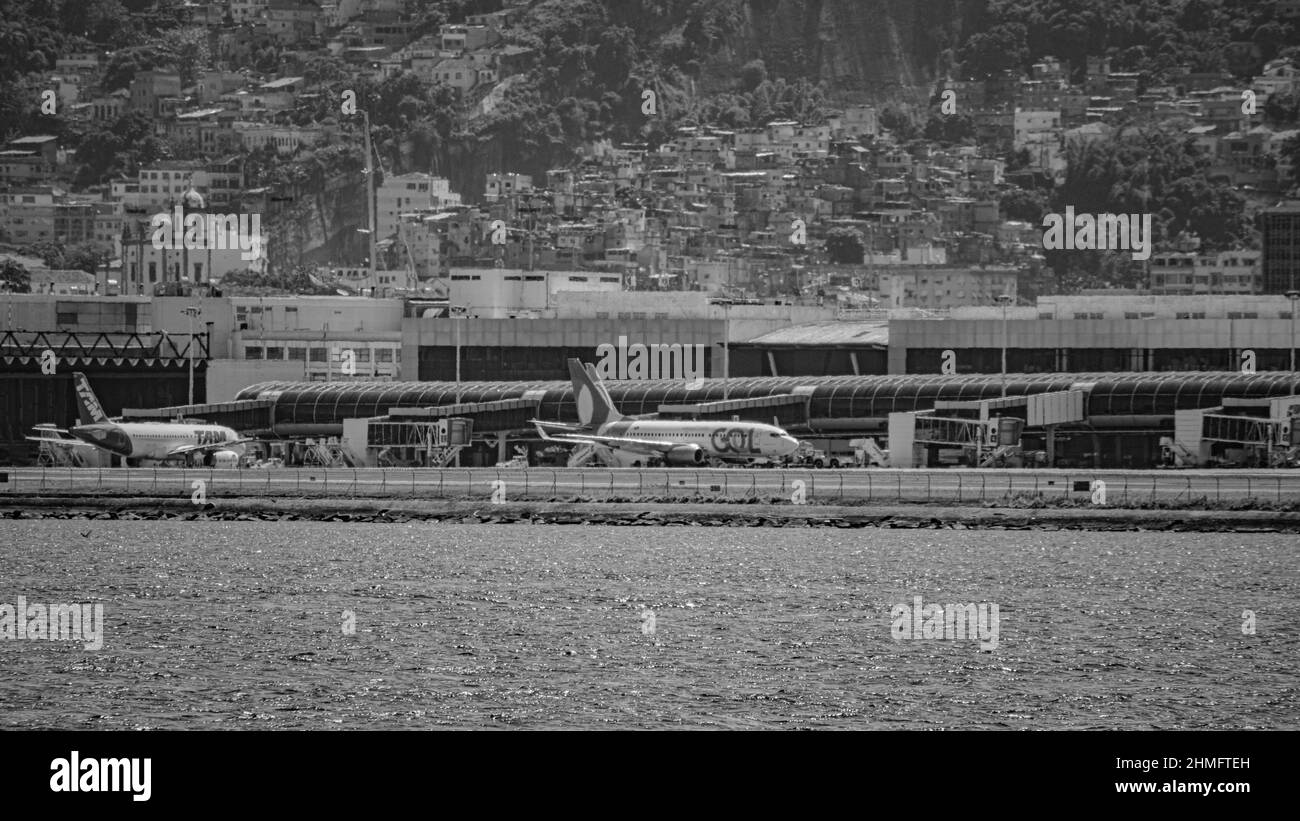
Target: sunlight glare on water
x=243 y=625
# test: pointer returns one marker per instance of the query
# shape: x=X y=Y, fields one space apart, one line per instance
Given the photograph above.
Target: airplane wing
x=545 y=428
x=647 y=446
x=184 y=449
x=54 y=440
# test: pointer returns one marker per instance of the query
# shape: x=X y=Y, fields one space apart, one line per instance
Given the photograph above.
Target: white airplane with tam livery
x=625 y=442
x=136 y=442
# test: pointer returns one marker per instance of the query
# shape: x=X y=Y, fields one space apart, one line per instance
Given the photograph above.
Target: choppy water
x=240 y=625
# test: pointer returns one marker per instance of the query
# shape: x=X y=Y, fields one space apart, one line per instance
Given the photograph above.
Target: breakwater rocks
x=654 y=514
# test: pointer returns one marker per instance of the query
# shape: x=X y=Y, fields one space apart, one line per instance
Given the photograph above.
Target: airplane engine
x=685 y=456
x=222 y=459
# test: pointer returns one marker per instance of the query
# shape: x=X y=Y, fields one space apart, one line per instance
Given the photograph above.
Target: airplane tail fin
x=595 y=407
x=89 y=410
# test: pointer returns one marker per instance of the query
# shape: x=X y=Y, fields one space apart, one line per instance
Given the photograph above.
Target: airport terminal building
x=1096 y=420
x=1110 y=381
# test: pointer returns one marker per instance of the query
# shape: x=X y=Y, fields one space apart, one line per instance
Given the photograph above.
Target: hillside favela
x=534 y=274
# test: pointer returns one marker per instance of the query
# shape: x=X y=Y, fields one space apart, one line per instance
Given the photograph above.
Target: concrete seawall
x=1101 y=488
x=644 y=513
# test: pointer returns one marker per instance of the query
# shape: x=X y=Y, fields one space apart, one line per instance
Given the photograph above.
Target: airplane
x=635 y=442
x=138 y=442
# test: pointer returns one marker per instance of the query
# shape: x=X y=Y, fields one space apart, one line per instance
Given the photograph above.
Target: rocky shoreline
x=642 y=514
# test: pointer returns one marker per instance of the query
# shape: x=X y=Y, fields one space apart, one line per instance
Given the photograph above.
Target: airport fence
x=1100 y=487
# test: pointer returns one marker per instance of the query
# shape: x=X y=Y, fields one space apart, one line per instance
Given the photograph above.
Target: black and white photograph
x=649 y=365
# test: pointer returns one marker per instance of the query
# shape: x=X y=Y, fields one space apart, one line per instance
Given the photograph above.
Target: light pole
x=1294 y=296
x=457 y=313
x=1005 y=299
x=725 y=302
x=191 y=311
x=726 y=351
x=370 y=200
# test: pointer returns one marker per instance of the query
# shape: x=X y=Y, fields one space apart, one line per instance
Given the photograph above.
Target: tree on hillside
x=1282 y=109
x=1159 y=171
x=1023 y=205
x=1291 y=152
x=49 y=252
x=845 y=245
x=753 y=75
x=949 y=128
x=105 y=22
x=88 y=256
x=15 y=278
x=1001 y=47
x=187 y=49
x=898 y=121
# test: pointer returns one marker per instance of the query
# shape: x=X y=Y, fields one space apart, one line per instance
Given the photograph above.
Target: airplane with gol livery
x=137 y=442
x=635 y=442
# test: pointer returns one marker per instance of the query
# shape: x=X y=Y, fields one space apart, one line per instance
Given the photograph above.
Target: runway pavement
x=493 y=484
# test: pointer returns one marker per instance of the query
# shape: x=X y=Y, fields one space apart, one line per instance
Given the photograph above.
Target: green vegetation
x=298 y=281
x=1150 y=36
x=1023 y=205
x=81 y=256
x=1156 y=170
x=595 y=60
x=14 y=278
x=845 y=246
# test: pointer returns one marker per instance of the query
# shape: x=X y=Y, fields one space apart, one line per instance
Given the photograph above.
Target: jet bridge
x=433 y=437
x=410 y=442
x=1239 y=433
x=986 y=432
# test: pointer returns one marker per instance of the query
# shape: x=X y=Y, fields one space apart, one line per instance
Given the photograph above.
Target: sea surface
x=234 y=625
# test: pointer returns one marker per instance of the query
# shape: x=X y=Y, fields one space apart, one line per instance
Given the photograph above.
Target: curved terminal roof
x=1109 y=394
